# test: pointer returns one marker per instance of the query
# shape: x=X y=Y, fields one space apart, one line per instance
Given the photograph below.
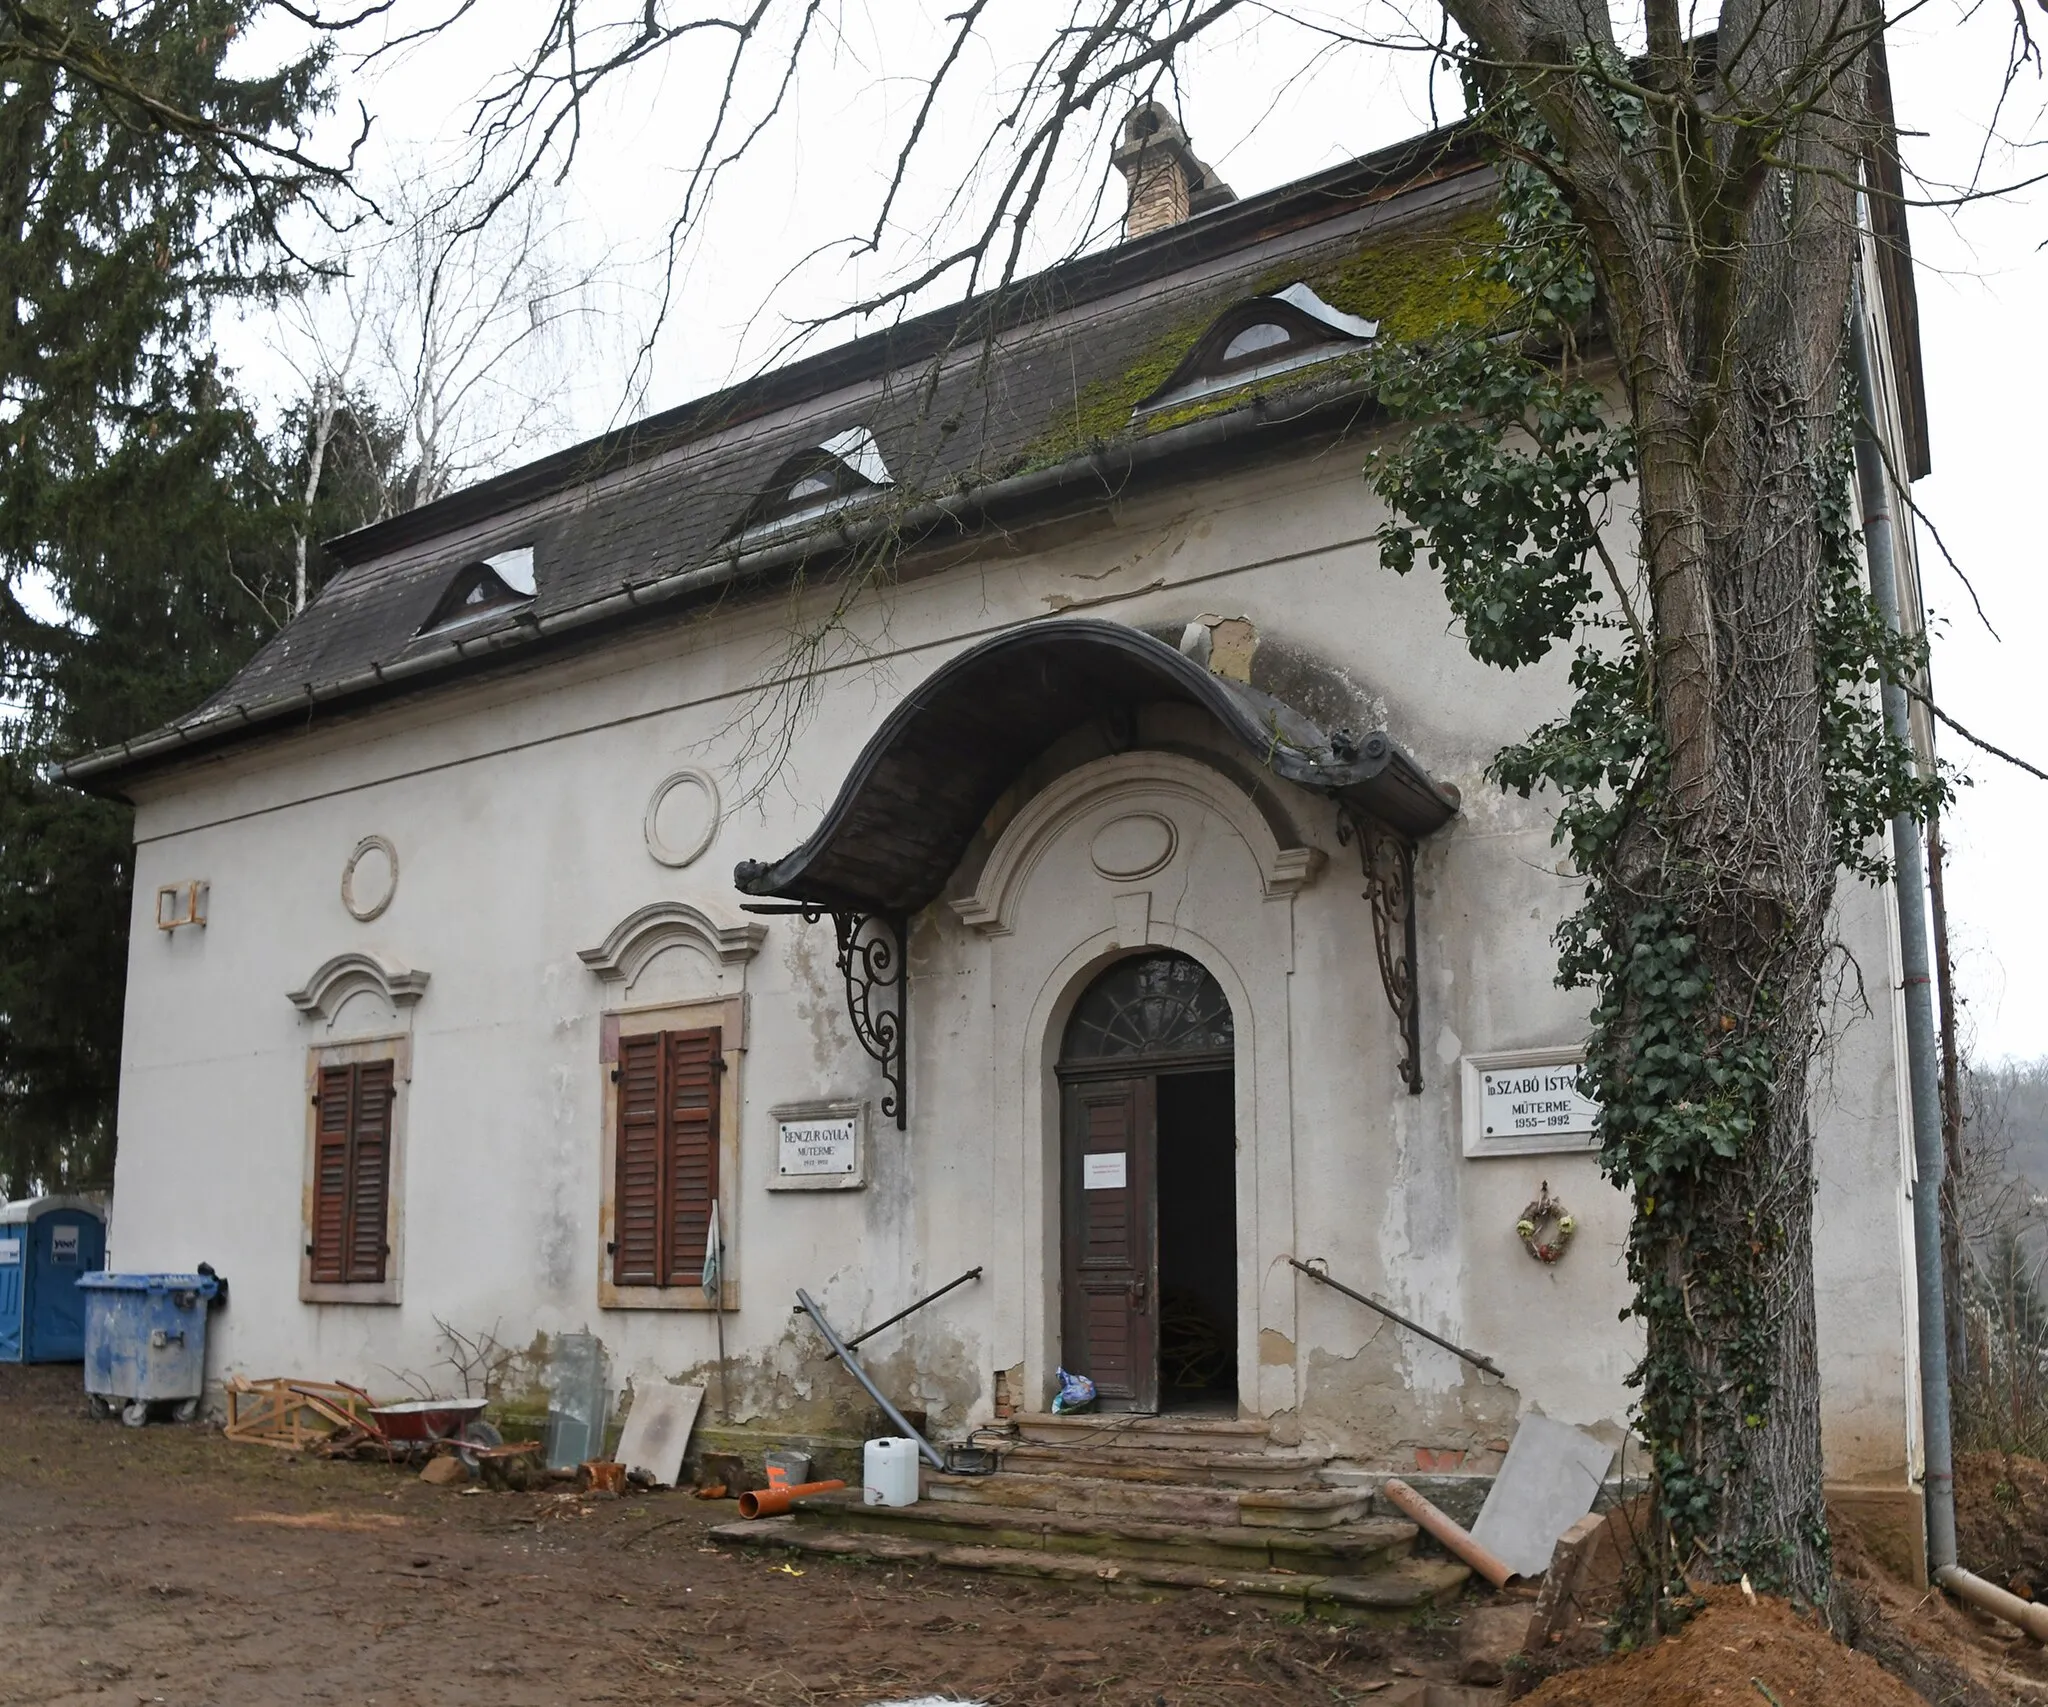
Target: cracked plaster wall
x=516 y=806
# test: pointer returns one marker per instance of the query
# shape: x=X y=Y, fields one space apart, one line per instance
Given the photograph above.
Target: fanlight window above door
x=1260 y=337
x=1150 y=1004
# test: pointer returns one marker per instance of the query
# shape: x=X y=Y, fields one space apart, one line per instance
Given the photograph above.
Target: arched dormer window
x=843 y=471
x=480 y=589
x=1261 y=337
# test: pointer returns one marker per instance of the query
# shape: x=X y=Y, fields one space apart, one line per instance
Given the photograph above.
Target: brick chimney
x=1167 y=182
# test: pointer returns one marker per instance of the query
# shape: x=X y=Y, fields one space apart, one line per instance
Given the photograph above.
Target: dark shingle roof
x=957 y=400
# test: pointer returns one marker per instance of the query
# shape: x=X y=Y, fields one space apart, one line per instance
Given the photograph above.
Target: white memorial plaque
x=64 y=1245
x=820 y=1146
x=1527 y=1102
x=1103 y=1170
x=10 y=1252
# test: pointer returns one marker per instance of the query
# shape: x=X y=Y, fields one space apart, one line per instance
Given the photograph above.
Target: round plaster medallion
x=1135 y=845
x=682 y=816
x=370 y=878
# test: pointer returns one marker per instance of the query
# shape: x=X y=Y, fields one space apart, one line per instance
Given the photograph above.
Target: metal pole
x=724 y=1381
x=1471 y=1357
x=1951 y=1102
x=1910 y=880
x=929 y=1452
x=869 y=1333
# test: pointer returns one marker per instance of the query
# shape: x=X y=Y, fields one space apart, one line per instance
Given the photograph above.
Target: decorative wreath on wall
x=1546 y=1227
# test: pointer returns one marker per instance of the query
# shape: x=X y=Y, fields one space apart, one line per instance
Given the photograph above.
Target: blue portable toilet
x=46 y=1243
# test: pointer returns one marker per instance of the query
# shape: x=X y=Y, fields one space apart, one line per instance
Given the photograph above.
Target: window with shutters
x=351 y=1221
x=667 y=1156
x=671 y=1114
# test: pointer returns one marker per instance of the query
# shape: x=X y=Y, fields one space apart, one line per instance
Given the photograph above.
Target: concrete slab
x=658 y=1429
x=1550 y=1479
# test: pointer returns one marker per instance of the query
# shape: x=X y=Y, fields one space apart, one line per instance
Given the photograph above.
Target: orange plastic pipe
x=1446 y=1529
x=772 y=1502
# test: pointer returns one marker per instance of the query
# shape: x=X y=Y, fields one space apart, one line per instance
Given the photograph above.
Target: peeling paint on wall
x=1365 y=1407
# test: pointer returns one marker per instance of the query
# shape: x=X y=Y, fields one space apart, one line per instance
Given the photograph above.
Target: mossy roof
x=1415 y=281
x=954 y=400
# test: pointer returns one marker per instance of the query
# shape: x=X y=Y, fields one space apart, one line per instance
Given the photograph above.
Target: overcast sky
x=1266 y=103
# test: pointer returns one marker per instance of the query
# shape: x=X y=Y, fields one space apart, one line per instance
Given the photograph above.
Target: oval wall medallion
x=682 y=816
x=1133 y=846
x=370 y=878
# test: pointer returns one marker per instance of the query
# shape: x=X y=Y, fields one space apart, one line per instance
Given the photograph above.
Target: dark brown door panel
x=1110 y=1327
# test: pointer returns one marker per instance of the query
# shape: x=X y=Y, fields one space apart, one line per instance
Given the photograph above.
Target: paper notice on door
x=1103 y=1171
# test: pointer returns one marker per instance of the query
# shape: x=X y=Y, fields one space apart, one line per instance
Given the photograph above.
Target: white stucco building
x=1130 y=757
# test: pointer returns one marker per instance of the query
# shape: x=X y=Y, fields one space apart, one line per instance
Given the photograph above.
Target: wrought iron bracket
x=874 y=960
x=1388 y=861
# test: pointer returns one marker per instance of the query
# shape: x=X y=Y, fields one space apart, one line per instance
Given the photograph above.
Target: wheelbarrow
x=416 y=1427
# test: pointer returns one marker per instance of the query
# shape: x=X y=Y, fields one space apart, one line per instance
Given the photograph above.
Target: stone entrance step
x=1344 y=1550
x=1148 y=1505
x=1166 y=1432
x=1163 y=1502
x=1388 y=1595
x=1137 y=1461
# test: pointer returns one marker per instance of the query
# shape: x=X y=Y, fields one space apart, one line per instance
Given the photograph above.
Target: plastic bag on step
x=1076 y=1393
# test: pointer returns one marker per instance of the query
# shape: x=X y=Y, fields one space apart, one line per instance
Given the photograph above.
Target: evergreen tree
x=140 y=188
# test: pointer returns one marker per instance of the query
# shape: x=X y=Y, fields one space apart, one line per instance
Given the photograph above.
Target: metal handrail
x=869 y=1333
x=1392 y=1315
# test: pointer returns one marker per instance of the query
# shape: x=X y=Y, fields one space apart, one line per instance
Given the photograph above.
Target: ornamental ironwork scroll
x=1388 y=861
x=874 y=962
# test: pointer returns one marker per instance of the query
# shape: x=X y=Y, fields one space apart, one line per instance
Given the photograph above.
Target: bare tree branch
x=1978 y=741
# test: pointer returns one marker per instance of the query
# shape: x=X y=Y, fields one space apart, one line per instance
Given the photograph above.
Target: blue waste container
x=46 y=1243
x=145 y=1341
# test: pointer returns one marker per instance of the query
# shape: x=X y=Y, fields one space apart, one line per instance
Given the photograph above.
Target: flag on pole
x=711 y=1256
x=716 y=1298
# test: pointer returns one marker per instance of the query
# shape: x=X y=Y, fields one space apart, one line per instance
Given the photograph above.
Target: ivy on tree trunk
x=1722 y=756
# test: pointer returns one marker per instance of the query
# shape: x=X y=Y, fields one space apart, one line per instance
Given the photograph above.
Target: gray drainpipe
x=1874 y=484
x=1922 y=1060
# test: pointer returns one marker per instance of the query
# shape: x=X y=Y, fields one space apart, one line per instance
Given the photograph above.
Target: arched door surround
x=927 y=780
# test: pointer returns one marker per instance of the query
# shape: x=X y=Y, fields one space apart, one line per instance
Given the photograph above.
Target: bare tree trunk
x=321 y=416
x=1736 y=857
x=1724 y=252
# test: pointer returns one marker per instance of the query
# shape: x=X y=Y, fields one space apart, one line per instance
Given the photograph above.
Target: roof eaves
x=1306 y=201
x=1104 y=471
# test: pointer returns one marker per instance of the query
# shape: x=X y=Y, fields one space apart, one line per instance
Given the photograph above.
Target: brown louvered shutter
x=369 y=1172
x=329 y=1246
x=694 y=1062
x=351 y=1174
x=638 y=1191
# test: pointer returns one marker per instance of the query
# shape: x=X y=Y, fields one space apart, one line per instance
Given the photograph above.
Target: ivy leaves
x=1501 y=485
x=1702 y=998
x=1872 y=776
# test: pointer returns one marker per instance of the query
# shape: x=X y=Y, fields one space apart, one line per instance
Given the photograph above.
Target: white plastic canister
x=889 y=1472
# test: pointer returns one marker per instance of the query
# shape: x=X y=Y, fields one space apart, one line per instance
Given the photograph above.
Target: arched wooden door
x=1152 y=1033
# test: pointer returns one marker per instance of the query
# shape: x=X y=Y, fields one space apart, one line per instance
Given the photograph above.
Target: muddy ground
x=168 y=1565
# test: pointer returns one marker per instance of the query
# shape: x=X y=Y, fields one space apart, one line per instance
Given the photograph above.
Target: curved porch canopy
x=929 y=777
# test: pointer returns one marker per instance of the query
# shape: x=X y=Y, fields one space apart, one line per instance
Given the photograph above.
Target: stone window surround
x=729 y=1014
x=1036 y=978
x=395 y=1047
